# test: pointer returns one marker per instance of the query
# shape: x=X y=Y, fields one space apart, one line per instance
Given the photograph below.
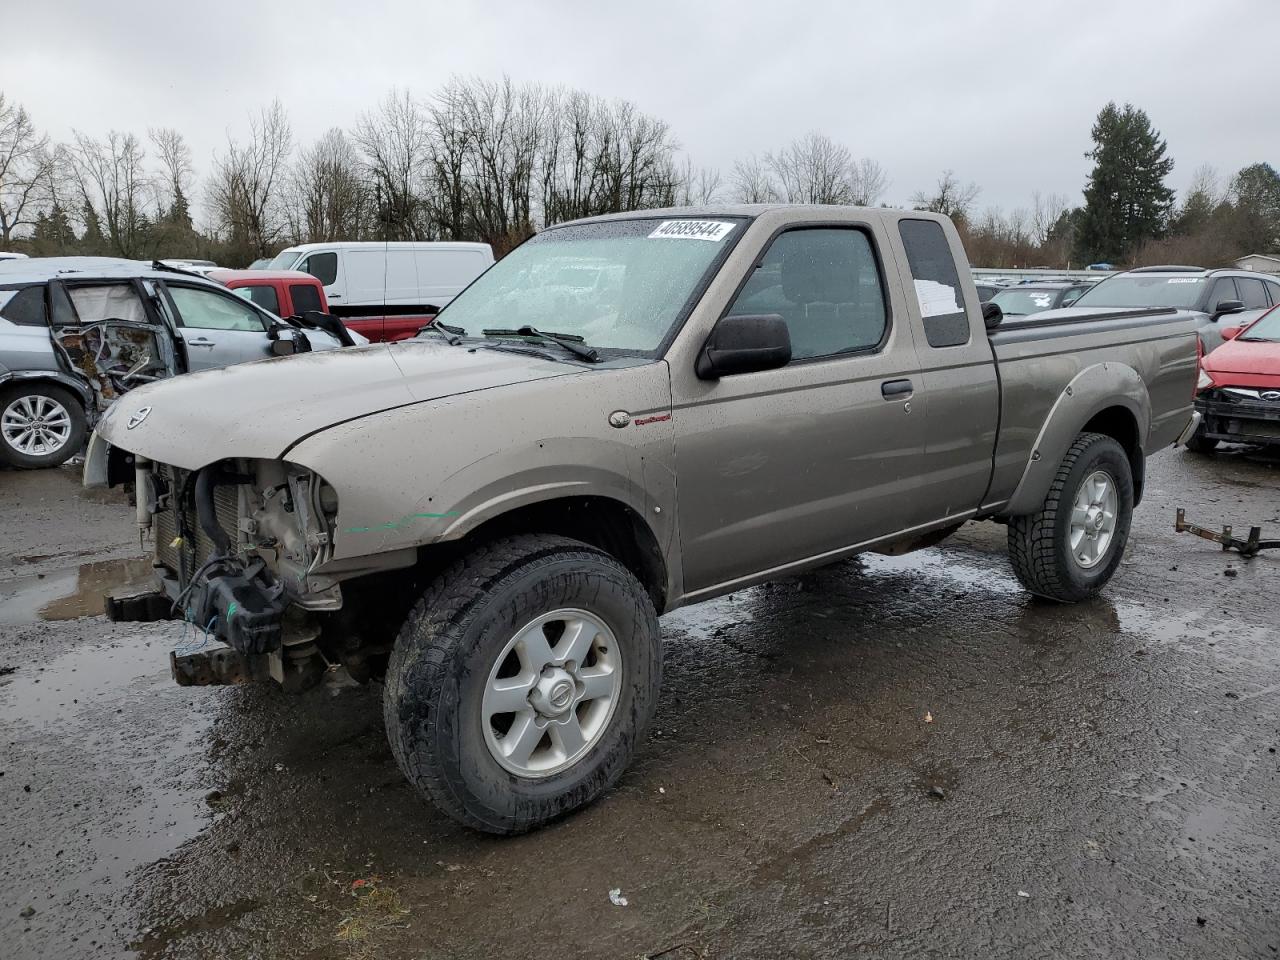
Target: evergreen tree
x=1256 y=192
x=1126 y=200
x=92 y=242
x=53 y=236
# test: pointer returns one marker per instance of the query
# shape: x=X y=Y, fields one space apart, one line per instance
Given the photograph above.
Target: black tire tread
x=1032 y=546
x=419 y=657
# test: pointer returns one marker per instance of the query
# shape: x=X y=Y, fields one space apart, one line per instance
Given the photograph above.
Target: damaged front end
x=237 y=546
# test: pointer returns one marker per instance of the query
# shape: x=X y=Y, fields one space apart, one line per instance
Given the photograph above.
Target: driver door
x=218 y=329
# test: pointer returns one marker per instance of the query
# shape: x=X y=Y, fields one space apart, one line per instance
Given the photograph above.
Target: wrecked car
x=1239 y=396
x=490 y=518
x=78 y=332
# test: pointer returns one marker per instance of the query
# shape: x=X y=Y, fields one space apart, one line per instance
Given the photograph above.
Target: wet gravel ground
x=1096 y=781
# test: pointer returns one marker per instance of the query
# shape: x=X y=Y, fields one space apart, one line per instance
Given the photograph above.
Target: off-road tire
x=1040 y=544
x=447 y=647
x=75 y=411
x=1199 y=443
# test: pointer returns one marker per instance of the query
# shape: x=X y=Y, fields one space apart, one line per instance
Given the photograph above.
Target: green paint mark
x=394 y=524
x=232 y=607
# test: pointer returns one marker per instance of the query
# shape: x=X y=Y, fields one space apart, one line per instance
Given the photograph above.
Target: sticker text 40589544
x=713 y=230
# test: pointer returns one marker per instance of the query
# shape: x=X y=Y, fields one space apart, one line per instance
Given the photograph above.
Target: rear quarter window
x=305 y=297
x=24 y=307
x=937 y=283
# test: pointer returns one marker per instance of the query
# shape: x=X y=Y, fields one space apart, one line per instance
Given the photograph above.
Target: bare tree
x=328 y=197
x=751 y=182
x=245 y=189
x=949 y=197
x=600 y=157
x=1045 y=212
x=26 y=170
x=177 y=173
x=395 y=141
x=113 y=184
x=867 y=181
x=700 y=187
x=813 y=169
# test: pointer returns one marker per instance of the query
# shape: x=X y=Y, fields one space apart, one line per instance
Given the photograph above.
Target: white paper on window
x=936 y=299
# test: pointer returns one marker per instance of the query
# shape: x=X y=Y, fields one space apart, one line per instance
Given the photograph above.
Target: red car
x=1239 y=395
x=289 y=293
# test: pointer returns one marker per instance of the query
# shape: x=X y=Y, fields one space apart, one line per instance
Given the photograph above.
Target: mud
x=1097 y=781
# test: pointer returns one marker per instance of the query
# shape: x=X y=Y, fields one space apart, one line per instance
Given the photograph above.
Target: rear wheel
x=41 y=425
x=1071 y=547
x=522 y=681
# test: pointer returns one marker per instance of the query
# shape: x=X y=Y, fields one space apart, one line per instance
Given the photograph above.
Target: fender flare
x=1094 y=389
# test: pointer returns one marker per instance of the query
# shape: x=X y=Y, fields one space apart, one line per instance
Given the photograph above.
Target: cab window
x=825 y=283
x=262 y=294
x=305 y=297
x=207 y=310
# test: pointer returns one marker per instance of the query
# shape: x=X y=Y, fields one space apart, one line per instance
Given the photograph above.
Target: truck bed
x=1058 y=360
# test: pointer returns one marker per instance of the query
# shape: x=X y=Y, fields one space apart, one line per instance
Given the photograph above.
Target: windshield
x=1266 y=328
x=619 y=284
x=1015 y=302
x=284 y=260
x=1136 y=290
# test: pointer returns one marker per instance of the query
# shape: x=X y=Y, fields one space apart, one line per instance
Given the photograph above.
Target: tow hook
x=1246 y=548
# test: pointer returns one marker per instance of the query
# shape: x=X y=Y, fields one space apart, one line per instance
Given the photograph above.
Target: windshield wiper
x=570 y=341
x=450 y=333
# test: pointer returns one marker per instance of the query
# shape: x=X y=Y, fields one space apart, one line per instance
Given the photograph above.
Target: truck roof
x=805 y=211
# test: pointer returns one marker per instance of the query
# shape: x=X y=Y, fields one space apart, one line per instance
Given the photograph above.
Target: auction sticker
x=713 y=230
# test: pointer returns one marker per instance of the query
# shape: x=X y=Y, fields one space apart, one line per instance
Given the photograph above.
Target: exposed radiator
x=197 y=547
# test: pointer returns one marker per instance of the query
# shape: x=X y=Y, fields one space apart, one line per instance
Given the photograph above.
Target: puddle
x=68 y=594
x=83 y=678
x=114 y=760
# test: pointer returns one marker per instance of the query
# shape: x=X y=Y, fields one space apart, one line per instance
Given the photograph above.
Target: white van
x=422 y=276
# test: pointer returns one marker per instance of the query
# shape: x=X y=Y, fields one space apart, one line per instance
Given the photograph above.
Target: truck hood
x=1245 y=363
x=260 y=409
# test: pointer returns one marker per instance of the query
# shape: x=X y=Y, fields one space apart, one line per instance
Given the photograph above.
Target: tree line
x=497 y=160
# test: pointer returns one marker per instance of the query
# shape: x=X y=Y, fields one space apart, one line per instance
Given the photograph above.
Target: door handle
x=202 y=342
x=895 y=388
x=334 y=296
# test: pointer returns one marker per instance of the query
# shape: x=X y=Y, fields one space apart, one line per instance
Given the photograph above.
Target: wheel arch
x=1107 y=398
x=602 y=521
x=53 y=377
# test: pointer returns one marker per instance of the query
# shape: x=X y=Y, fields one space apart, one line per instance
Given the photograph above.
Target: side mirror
x=1230 y=333
x=1225 y=307
x=744 y=345
x=287 y=340
x=992 y=315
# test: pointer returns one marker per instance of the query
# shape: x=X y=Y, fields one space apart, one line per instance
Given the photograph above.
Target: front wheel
x=522 y=681
x=1071 y=547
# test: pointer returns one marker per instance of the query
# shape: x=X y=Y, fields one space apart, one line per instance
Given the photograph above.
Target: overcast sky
x=1004 y=93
